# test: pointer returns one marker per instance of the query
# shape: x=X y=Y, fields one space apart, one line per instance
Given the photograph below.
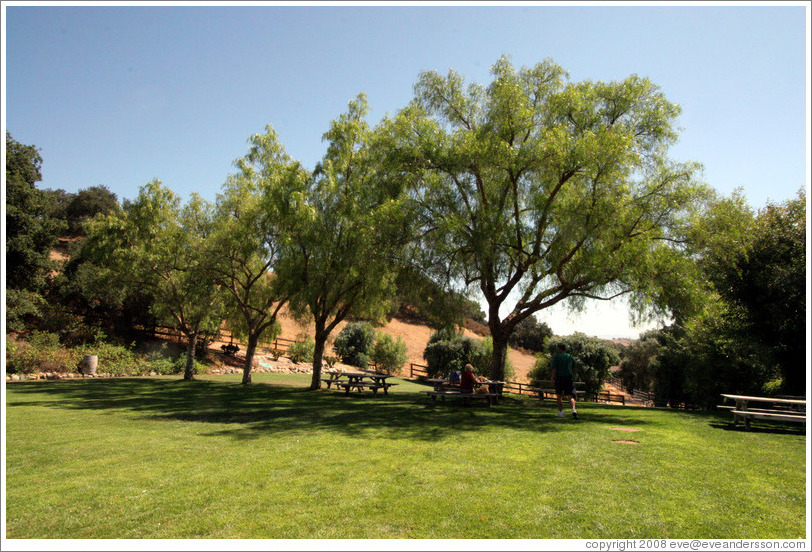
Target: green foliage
x=30 y=230
x=537 y=188
x=749 y=333
x=302 y=351
x=531 y=334
x=158 y=244
x=388 y=354
x=23 y=308
x=354 y=343
x=541 y=368
x=639 y=364
x=75 y=209
x=449 y=351
x=42 y=352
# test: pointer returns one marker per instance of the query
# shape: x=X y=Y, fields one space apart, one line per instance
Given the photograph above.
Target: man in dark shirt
x=562 y=377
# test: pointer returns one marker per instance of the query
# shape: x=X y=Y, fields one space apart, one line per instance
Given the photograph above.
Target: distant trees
x=747 y=332
x=531 y=334
x=540 y=190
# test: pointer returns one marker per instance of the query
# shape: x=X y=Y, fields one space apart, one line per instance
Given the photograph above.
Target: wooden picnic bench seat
x=490 y=398
x=778 y=416
x=360 y=386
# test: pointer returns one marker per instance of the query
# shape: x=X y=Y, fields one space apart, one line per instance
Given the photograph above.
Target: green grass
x=161 y=458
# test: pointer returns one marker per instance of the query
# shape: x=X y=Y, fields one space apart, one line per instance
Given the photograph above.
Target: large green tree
x=534 y=190
x=346 y=226
x=30 y=231
x=246 y=243
x=158 y=244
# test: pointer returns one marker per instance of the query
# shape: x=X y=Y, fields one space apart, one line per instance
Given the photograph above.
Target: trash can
x=89 y=364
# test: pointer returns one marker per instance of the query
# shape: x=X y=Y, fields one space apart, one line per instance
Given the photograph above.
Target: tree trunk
x=189 y=373
x=318 y=354
x=500 y=349
x=249 y=357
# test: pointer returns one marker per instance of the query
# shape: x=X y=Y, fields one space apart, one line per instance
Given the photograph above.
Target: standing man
x=562 y=378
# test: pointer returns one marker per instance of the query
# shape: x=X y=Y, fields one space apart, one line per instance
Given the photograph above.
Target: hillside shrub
x=354 y=344
x=41 y=353
x=388 y=354
x=302 y=351
x=541 y=369
x=448 y=351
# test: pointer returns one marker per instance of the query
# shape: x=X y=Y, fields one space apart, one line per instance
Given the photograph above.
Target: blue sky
x=118 y=95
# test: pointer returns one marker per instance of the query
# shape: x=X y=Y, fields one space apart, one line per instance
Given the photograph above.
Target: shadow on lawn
x=259 y=409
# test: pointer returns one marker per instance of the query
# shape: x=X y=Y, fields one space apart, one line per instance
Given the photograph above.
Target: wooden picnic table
x=765 y=408
x=356 y=380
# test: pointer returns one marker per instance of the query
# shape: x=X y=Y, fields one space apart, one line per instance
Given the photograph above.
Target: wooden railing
x=419 y=369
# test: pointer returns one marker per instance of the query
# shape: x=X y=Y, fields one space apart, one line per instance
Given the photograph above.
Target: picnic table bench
x=767 y=408
x=490 y=398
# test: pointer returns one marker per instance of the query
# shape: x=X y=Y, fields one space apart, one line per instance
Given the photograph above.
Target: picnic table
x=765 y=408
x=358 y=381
x=466 y=398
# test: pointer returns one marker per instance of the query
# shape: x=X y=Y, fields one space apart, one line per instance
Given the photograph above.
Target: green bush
x=388 y=354
x=118 y=359
x=302 y=351
x=354 y=343
x=541 y=369
x=448 y=351
x=42 y=353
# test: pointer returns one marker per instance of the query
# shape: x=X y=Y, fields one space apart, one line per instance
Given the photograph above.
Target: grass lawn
x=162 y=458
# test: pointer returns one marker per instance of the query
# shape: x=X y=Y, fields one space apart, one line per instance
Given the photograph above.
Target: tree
x=769 y=283
x=246 y=244
x=86 y=204
x=531 y=334
x=157 y=244
x=536 y=191
x=30 y=231
x=346 y=226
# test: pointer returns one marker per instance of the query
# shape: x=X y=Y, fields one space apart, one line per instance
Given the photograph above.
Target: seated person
x=468 y=379
x=454 y=376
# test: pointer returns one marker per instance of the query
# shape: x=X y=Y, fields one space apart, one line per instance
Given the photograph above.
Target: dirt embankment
x=414 y=335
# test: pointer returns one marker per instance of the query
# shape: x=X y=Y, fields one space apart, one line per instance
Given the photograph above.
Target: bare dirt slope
x=416 y=336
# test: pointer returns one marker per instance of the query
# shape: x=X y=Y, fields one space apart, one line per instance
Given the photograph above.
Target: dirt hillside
x=416 y=336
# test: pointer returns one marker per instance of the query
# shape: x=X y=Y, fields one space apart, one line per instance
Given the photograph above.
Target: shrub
x=42 y=353
x=354 y=342
x=275 y=353
x=331 y=361
x=388 y=354
x=541 y=369
x=302 y=351
x=118 y=359
x=448 y=351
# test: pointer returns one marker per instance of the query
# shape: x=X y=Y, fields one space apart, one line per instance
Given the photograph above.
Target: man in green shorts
x=562 y=378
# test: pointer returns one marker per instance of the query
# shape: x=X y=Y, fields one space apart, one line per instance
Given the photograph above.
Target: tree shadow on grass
x=260 y=409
